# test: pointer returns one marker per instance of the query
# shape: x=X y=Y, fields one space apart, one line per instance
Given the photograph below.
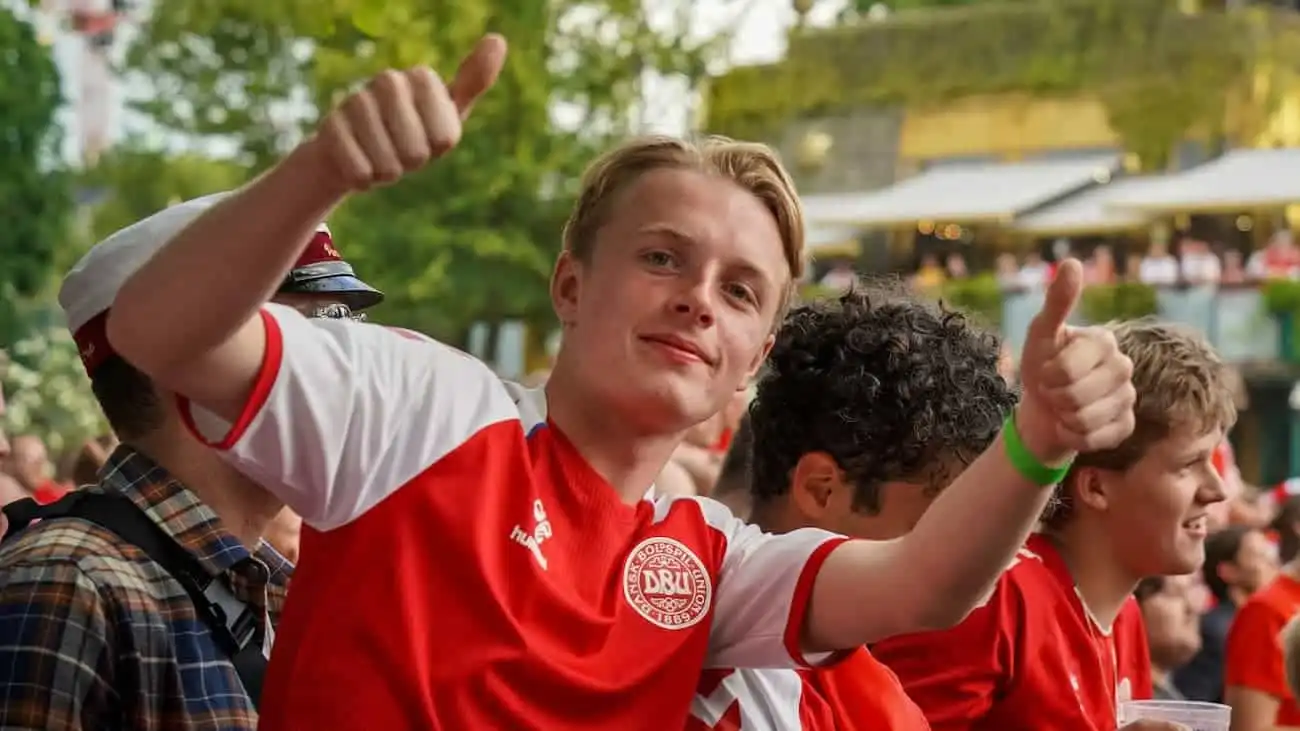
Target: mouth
x=1198 y=526
x=680 y=348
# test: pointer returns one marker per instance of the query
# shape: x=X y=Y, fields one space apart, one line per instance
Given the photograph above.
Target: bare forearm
x=242 y=248
x=939 y=572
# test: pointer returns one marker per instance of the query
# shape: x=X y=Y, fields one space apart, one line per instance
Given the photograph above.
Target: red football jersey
x=1253 y=657
x=463 y=567
x=858 y=694
x=1031 y=658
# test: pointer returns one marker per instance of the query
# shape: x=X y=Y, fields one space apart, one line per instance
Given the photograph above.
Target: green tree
x=34 y=194
x=47 y=391
x=132 y=181
x=472 y=238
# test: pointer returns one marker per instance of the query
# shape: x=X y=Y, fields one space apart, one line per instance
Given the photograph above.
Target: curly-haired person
x=869 y=406
x=1060 y=643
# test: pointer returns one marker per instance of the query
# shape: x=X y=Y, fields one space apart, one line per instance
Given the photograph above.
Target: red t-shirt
x=1253 y=656
x=858 y=694
x=49 y=492
x=1031 y=658
x=463 y=567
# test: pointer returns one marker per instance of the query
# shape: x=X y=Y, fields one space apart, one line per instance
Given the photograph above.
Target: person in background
x=1060 y=641
x=1158 y=268
x=95 y=634
x=1170 y=615
x=732 y=487
x=930 y=274
x=1238 y=561
x=81 y=467
x=1234 y=270
x=869 y=406
x=29 y=463
x=1198 y=264
x=1254 y=678
x=1280 y=259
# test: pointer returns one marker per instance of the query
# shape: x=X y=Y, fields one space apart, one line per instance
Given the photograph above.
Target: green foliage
x=979 y=297
x=472 y=238
x=133 y=182
x=34 y=195
x=48 y=393
x=1162 y=74
x=1282 y=296
x=1123 y=301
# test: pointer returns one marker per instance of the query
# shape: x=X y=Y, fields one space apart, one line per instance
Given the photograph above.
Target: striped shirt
x=95 y=635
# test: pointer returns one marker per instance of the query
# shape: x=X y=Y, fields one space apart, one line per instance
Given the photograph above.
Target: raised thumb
x=477 y=72
x=1062 y=295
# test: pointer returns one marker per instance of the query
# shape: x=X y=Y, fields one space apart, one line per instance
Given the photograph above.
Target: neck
x=1237 y=595
x=244 y=508
x=1103 y=583
x=627 y=457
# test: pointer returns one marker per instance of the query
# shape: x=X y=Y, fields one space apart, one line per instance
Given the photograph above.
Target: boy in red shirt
x=869 y=406
x=1060 y=643
x=477 y=555
x=1254 y=668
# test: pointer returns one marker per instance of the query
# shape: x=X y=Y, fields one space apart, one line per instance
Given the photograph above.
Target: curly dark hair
x=891 y=387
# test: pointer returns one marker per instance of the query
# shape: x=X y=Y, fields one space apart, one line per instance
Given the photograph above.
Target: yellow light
x=1245 y=223
x=925 y=227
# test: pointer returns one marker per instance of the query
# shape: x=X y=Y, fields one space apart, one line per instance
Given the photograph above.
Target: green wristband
x=1025 y=462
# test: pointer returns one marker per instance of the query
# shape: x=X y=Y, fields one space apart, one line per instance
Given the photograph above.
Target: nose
x=1212 y=489
x=694 y=300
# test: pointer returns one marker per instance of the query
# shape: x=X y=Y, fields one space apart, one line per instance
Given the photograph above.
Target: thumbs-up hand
x=402 y=120
x=1078 y=390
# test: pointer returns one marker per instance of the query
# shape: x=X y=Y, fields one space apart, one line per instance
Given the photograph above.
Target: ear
x=815 y=482
x=566 y=286
x=757 y=362
x=1089 y=489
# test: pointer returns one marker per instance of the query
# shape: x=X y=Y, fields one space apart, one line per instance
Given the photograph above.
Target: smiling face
x=1156 y=512
x=671 y=310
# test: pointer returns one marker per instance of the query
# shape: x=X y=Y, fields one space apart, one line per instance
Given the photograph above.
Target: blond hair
x=1180 y=381
x=750 y=165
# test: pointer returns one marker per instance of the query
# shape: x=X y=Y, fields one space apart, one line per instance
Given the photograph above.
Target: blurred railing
x=1232 y=317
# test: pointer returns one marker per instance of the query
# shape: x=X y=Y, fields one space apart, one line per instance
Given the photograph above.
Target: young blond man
x=480 y=556
x=1060 y=643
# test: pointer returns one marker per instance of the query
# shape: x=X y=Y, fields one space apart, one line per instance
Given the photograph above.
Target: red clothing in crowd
x=1031 y=658
x=48 y=492
x=1253 y=657
x=463 y=567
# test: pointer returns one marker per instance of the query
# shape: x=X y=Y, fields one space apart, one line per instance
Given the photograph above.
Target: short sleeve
x=763 y=591
x=342 y=414
x=55 y=661
x=1253 y=656
x=954 y=675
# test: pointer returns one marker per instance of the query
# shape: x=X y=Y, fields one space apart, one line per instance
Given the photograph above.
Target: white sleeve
x=343 y=414
x=763 y=590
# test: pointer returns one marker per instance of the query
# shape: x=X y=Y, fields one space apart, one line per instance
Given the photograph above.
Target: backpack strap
x=235 y=625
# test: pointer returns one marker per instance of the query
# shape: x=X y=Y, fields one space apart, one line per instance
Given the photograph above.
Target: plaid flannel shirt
x=95 y=635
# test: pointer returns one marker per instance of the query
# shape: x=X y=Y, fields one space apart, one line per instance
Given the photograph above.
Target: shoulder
x=83 y=557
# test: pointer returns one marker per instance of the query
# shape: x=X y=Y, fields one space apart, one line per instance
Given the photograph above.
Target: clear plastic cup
x=1195 y=715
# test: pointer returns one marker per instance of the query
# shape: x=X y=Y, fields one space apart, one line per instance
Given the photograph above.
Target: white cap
x=92 y=285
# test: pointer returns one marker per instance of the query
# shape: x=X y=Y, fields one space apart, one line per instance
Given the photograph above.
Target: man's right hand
x=402 y=120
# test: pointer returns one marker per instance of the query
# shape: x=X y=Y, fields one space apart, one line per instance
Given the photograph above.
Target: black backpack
x=233 y=623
